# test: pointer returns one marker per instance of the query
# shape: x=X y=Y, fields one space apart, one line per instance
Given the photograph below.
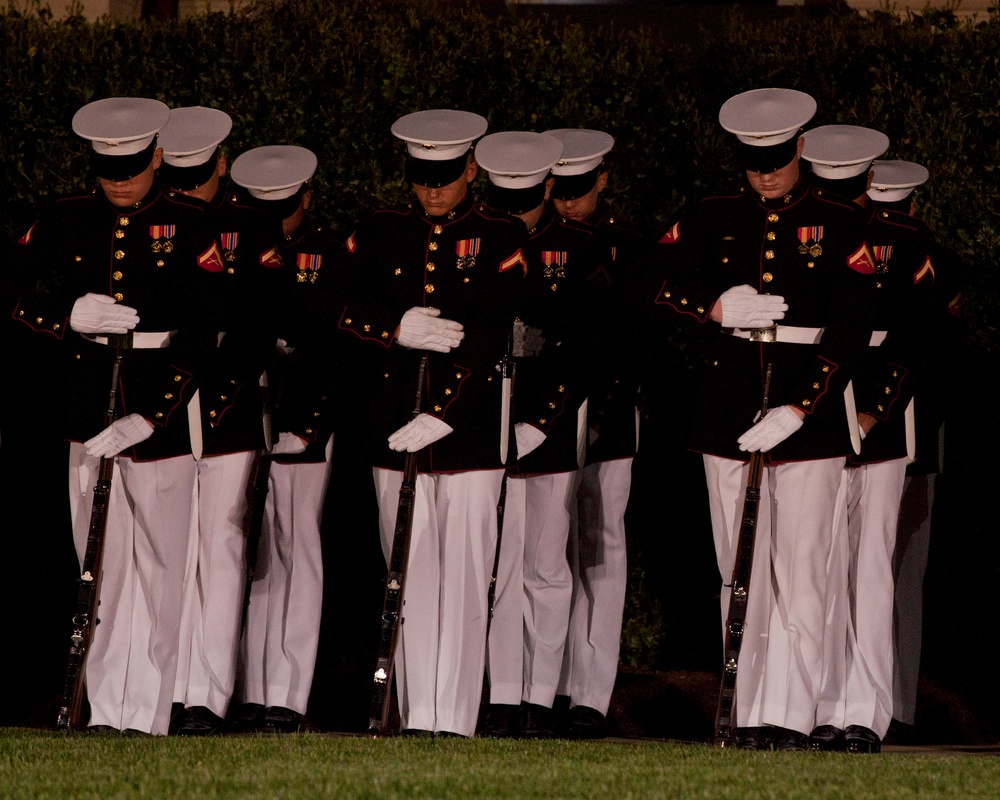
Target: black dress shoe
x=539 y=722
x=247 y=718
x=199 y=721
x=756 y=738
x=502 y=721
x=415 y=733
x=103 y=730
x=278 y=719
x=585 y=723
x=449 y=735
x=826 y=737
x=860 y=739
x=787 y=740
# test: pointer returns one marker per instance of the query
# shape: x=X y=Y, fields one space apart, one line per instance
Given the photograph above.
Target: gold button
x=542 y=421
x=552 y=405
x=230 y=270
x=347 y=320
x=177 y=378
x=767 y=277
x=553 y=287
x=56 y=327
x=123 y=221
x=772 y=217
x=810 y=264
x=116 y=275
x=888 y=390
x=725 y=259
x=159 y=415
x=768 y=254
x=437 y=408
x=885 y=215
x=684 y=301
x=168 y=396
x=432 y=246
x=826 y=369
x=806 y=403
x=309 y=431
x=119 y=296
x=430 y=266
x=447 y=391
x=666 y=294
x=895 y=374
x=562 y=389
x=815 y=385
x=465 y=280
x=315 y=414
x=881 y=408
x=78 y=258
x=211 y=414
x=429 y=288
x=458 y=375
x=771 y=235
x=119 y=254
x=438 y=229
x=119 y=234
x=223 y=398
x=700 y=309
x=38 y=320
x=159 y=263
x=366 y=328
x=397 y=271
x=385 y=334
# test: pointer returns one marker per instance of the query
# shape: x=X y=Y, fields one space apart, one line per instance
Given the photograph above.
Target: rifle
x=508 y=369
x=89 y=592
x=392 y=603
x=724 y=727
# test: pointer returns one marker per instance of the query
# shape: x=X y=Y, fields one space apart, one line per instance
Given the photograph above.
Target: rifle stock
x=392 y=603
x=89 y=590
x=739 y=593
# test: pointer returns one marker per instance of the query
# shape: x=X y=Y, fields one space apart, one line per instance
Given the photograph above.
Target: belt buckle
x=764 y=334
x=123 y=341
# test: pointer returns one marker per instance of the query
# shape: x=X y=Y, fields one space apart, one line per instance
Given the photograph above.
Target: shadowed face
x=780 y=182
x=123 y=194
x=438 y=201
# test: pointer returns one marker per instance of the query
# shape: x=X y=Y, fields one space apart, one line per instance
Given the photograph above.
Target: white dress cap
x=518 y=159
x=439 y=134
x=842 y=151
x=120 y=126
x=895 y=180
x=764 y=117
x=274 y=172
x=583 y=149
x=192 y=134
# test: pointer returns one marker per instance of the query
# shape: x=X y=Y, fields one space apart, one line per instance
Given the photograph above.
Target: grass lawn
x=41 y=764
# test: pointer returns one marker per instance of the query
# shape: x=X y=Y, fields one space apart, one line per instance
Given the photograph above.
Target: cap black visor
x=435 y=174
x=570 y=187
x=515 y=201
x=184 y=179
x=769 y=158
x=122 y=168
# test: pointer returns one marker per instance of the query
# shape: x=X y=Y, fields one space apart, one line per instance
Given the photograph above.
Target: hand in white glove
x=423 y=329
x=528 y=341
x=528 y=438
x=419 y=432
x=99 y=313
x=119 y=435
x=288 y=444
x=777 y=426
x=743 y=307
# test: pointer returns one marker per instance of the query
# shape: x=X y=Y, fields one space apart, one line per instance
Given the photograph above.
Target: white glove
x=777 y=426
x=422 y=329
x=119 y=435
x=99 y=313
x=288 y=444
x=419 y=432
x=528 y=438
x=742 y=307
x=528 y=341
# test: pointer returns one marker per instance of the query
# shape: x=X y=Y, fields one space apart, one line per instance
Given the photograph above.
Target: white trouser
x=506 y=665
x=913 y=537
x=132 y=661
x=600 y=572
x=873 y=496
x=214 y=583
x=286 y=597
x=441 y=651
x=548 y=582
x=779 y=684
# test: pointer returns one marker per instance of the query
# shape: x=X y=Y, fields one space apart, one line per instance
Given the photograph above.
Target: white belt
x=140 y=340
x=778 y=333
x=877 y=338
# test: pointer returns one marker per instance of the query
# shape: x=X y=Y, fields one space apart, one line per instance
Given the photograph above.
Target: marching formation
x=484 y=358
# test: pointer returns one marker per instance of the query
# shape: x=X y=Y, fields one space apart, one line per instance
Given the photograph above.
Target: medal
x=815 y=250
